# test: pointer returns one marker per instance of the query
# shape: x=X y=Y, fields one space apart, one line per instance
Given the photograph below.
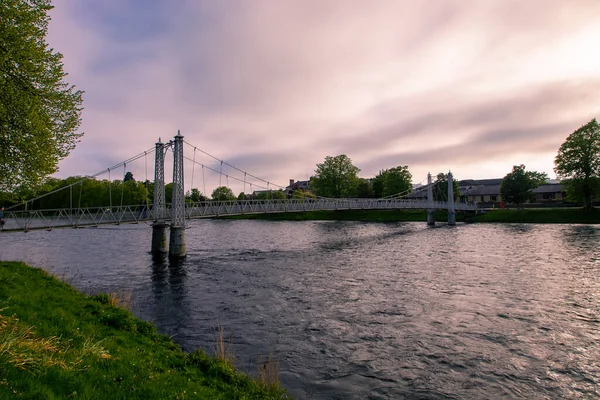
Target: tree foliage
x=128 y=177
x=85 y=192
x=392 y=181
x=440 y=188
x=270 y=195
x=222 y=193
x=364 y=189
x=578 y=161
x=169 y=193
x=377 y=184
x=302 y=195
x=195 y=196
x=335 y=177
x=39 y=112
x=576 y=189
x=517 y=186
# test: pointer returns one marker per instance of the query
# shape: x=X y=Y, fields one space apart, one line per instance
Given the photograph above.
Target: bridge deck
x=60 y=218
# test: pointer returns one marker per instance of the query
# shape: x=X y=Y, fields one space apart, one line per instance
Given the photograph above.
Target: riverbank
x=56 y=342
x=346 y=215
x=528 y=215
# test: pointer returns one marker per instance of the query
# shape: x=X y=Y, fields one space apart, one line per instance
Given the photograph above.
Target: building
x=488 y=191
x=549 y=192
x=294 y=186
x=480 y=190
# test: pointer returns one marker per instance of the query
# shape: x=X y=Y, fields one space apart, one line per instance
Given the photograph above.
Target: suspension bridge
x=174 y=215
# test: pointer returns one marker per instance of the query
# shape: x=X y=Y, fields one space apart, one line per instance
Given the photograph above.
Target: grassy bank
x=57 y=343
x=531 y=215
x=541 y=216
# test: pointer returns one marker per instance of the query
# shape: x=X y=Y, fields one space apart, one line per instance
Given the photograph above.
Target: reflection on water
x=170 y=295
x=582 y=236
x=359 y=310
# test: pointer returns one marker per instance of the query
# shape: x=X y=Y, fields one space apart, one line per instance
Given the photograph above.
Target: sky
x=273 y=87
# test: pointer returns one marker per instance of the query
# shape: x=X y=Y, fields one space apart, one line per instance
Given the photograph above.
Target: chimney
x=291 y=182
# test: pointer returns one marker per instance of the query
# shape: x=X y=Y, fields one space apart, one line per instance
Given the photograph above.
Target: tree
x=128 y=177
x=195 y=196
x=88 y=192
x=150 y=187
x=440 y=188
x=396 y=180
x=517 y=186
x=335 y=177
x=222 y=193
x=168 y=193
x=133 y=193
x=271 y=195
x=578 y=161
x=377 y=184
x=392 y=181
x=364 y=189
x=302 y=195
x=576 y=188
x=39 y=112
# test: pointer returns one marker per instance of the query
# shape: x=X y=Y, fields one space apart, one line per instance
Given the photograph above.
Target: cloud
x=277 y=86
x=490 y=144
x=478 y=123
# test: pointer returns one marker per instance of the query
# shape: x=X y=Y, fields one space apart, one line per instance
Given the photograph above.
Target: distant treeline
x=85 y=192
x=78 y=191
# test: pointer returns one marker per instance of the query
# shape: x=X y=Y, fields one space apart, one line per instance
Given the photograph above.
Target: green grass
x=57 y=343
x=541 y=216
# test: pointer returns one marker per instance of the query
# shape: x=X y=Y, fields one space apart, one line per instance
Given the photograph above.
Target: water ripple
x=360 y=310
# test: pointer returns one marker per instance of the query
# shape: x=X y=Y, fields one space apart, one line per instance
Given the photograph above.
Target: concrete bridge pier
x=159 y=239
x=451 y=212
x=430 y=217
x=177 y=246
x=430 y=210
x=451 y=218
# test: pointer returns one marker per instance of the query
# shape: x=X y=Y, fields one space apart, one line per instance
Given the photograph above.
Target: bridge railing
x=236 y=207
x=76 y=217
x=94 y=216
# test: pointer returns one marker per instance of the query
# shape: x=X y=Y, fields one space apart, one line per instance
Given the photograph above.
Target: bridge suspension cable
x=222 y=162
x=226 y=175
x=109 y=189
x=268 y=186
x=146 y=165
x=403 y=193
x=438 y=193
x=123 y=186
x=193 y=169
x=203 y=181
x=80 y=194
x=244 y=180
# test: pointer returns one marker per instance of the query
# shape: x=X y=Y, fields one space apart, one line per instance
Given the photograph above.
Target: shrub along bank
x=57 y=343
x=346 y=215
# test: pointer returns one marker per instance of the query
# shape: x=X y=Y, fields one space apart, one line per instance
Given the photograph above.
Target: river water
x=358 y=310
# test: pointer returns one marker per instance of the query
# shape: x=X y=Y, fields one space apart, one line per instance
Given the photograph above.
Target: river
x=358 y=310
